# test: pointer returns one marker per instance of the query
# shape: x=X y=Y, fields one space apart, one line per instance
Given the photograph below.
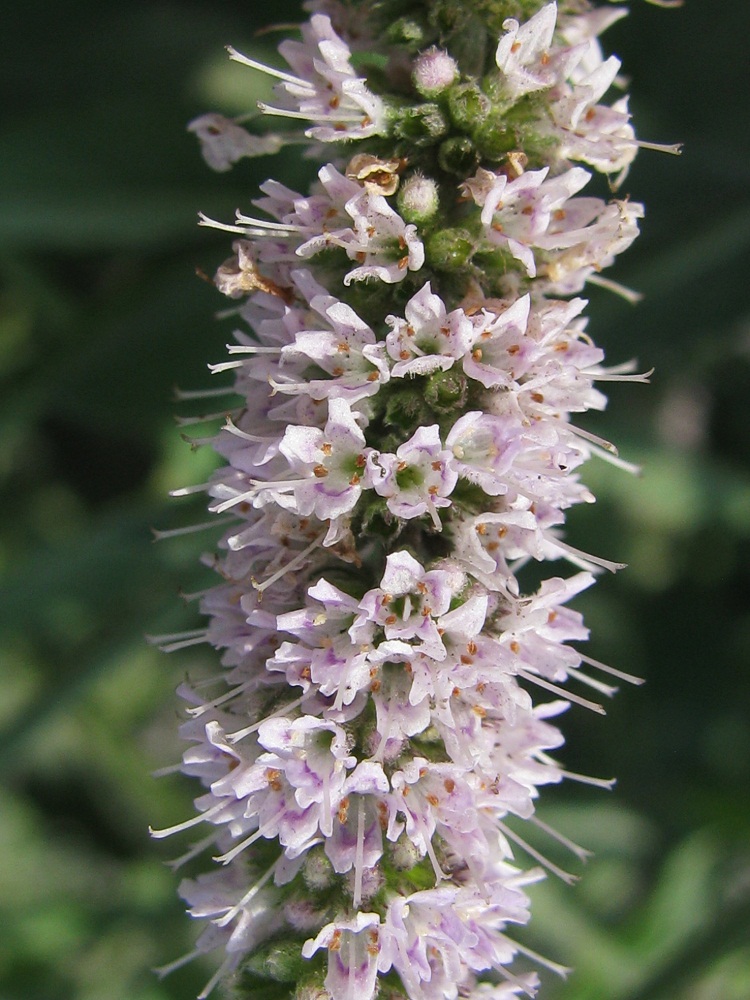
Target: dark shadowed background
x=101 y=315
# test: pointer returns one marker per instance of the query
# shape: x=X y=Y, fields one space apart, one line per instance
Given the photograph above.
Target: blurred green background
x=101 y=315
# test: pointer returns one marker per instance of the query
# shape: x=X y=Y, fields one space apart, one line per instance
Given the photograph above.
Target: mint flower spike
x=409 y=365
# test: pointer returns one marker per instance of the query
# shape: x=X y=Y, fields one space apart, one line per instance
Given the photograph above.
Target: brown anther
x=544 y=59
x=408 y=667
x=410 y=331
x=391 y=620
x=441 y=631
x=476 y=354
x=305 y=673
x=591 y=113
x=320 y=471
x=480 y=688
x=449 y=784
x=433 y=799
x=371 y=231
x=551 y=616
x=334 y=102
x=338 y=371
x=272 y=777
x=342 y=347
x=456 y=692
x=373 y=377
x=538 y=397
x=514 y=647
x=432 y=490
x=559 y=214
x=343 y=810
x=485 y=335
x=375 y=686
x=360 y=256
x=493 y=547
x=360 y=461
x=426 y=611
x=422 y=772
x=466 y=660
x=562 y=346
x=471 y=647
x=502 y=531
x=527 y=210
x=478 y=710
x=515 y=47
x=404 y=355
x=326 y=448
x=382 y=815
x=403 y=263
x=482 y=529
x=514 y=349
x=497 y=227
x=401 y=466
x=335 y=942
x=354 y=481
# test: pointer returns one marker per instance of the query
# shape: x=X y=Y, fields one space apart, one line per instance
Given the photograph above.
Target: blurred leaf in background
x=101 y=316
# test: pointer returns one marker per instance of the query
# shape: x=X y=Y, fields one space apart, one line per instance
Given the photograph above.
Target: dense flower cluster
x=409 y=365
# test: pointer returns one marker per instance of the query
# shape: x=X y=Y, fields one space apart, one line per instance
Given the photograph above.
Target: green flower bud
x=494 y=138
x=280 y=961
x=422 y=125
x=449 y=249
x=407 y=31
x=467 y=105
x=458 y=156
x=446 y=391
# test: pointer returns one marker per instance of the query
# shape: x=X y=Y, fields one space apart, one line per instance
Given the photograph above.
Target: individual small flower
x=331 y=462
x=418 y=479
x=523 y=53
x=353 y=950
x=428 y=338
x=325 y=90
x=223 y=142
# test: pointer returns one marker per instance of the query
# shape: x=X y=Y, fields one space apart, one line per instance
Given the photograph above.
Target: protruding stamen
x=562 y=693
x=236 y=56
x=567 y=877
x=194 y=821
x=630 y=678
x=580 y=852
x=190 y=528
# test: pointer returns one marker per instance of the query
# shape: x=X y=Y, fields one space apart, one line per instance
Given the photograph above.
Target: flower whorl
x=408 y=370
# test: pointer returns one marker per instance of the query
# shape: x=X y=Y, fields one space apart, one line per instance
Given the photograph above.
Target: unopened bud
x=449 y=249
x=317 y=870
x=418 y=199
x=434 y=71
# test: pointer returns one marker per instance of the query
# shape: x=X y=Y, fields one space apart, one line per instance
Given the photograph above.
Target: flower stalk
x=410 y=364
